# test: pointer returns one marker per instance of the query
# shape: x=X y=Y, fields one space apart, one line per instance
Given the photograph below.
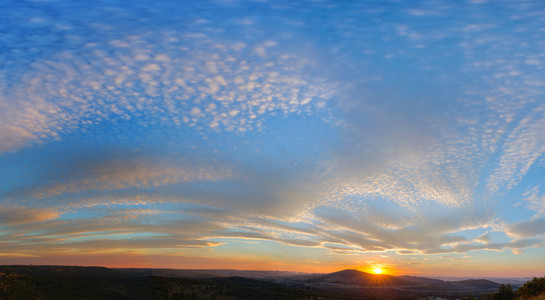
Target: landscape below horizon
x=67 y=282
x=403 y=139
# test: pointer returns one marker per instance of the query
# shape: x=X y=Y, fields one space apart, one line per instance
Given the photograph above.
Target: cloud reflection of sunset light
x=400 y=137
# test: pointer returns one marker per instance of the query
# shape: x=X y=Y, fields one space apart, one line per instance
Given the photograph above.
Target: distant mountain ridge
x=355 y=277
x=350 y=276
x=210 y=273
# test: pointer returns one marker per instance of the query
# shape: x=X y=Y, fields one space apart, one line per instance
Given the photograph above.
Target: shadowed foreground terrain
x=65 y=282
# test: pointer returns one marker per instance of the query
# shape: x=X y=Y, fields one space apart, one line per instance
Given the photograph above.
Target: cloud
x=522 y=148
x=11 y=215
x=114 y=230
x=534 y=227
x=371 y=236
x=535 y=201
x=152 y=77
x=25 y=120
x=153 y=131
x=136 y=172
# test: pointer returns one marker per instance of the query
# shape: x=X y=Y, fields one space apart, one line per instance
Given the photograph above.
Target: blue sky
x=304 y=136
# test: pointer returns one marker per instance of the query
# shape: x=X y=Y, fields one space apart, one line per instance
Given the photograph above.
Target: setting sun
x=377 y=270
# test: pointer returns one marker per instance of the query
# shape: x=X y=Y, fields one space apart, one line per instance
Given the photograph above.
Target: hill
x=356 y=277
x=476 y=284
x=69 y=282
x=212 y=273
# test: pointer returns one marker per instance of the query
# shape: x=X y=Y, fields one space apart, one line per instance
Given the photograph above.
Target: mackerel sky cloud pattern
x=273 y=133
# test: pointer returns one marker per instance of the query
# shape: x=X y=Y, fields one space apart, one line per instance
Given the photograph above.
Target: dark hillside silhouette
x=350 y=276
x=67 y=282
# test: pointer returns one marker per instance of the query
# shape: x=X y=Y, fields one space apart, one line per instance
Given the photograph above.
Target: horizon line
x=248 y=270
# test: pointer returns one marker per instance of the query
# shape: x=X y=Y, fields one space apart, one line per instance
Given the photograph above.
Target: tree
x=531 y=288
x=469 y=297
x=505 y=292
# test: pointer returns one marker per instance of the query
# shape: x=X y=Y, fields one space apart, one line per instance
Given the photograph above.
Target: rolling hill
x=69 y=282
x=356 y=277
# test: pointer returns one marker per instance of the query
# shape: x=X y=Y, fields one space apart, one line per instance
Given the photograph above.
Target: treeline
x=40 y=284
x=531 y=290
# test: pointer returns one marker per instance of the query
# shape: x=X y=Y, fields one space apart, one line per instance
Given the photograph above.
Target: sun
x=377 y=270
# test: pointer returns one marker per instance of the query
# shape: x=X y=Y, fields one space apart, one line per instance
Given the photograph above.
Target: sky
x=305 y=136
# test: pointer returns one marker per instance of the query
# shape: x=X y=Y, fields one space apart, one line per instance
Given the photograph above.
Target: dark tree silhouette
x=531 y=288
x=505 y=292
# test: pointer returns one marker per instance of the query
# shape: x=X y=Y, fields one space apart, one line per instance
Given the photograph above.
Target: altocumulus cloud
x=171 y=126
